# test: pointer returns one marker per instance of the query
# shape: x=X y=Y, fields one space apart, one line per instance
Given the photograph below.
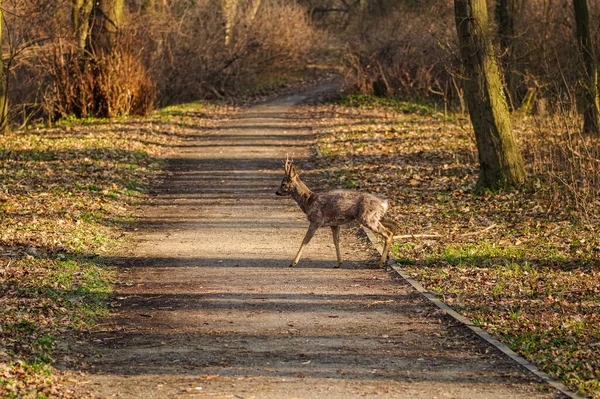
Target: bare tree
x=235 y=11
x=505 y=19
x=229 y=8
x=106 y=20
x=500 y=160
x=3 y=85
x=590 y=99
x=81 y=21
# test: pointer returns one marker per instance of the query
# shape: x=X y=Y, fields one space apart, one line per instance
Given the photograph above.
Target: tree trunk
x=106 y=20
x=505 y=21
x=500 y=160
x=590 y=99
x=81 y=21
x=505 y=12
x=229 y=9
x=253 y=10
x=3 y=85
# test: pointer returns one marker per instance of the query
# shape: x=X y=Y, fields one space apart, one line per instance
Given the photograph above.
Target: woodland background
x=158 y=52
x=522 y=262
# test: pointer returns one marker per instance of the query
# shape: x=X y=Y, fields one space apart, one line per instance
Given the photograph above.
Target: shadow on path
x=208 y=308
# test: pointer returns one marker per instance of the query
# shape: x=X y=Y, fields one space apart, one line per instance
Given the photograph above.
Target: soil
x=209 y=307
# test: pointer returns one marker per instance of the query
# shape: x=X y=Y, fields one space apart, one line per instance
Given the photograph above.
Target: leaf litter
x=67 y=196
x=522 y=264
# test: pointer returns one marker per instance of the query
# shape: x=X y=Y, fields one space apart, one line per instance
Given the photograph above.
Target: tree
x=500 y=160
x=235 y=11
x=97 y=24
x=81 y=21
x=506 y=23
x=505 y=19
x=3 y=85
x=106 y=21
x=590 y=99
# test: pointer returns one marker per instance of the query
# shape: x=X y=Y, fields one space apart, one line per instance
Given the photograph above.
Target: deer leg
x=309 y=235
x=391 y=225
x=335 y=230
x=387 y=235
x=386 y=249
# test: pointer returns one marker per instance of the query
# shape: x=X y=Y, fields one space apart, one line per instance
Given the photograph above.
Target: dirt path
x=212 y=310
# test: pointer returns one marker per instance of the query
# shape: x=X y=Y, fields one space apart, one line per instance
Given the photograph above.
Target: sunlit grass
x=65 y=196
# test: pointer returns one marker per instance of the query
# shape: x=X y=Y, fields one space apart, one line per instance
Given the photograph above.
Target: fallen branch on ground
x=473 y=233
x=417 y=236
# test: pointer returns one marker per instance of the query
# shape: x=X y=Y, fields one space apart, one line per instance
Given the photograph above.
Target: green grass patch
x=405 y=107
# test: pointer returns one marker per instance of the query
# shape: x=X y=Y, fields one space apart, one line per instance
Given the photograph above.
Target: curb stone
x=477 y=330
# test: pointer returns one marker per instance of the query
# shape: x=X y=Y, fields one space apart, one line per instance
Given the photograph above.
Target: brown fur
x=335 y=208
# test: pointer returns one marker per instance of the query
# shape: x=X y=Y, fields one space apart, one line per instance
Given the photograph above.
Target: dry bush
x=189 y=58
x=284 y=41
x=564 y=164
x=410 y=52
x=175 y=51
x=108 y=86
x=29 y=26
x=544 y=57
x=122 y=85
x=50 y=78
x=403 y=54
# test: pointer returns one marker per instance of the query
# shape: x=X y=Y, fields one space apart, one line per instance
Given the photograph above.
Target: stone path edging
x=477 y=330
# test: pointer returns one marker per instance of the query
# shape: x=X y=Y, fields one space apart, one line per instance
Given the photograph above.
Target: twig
x=417 y=236
x=491 y=226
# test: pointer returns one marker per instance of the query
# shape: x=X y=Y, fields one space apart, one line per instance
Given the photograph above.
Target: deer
x=335 y=208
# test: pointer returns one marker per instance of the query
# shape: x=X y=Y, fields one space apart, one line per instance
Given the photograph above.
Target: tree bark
x=147 y=5
x=229 y=9
x=590 y=99
x=106 y=22
x=500 y=160
x=3 y=85
x=505 y=11
x=81 y=21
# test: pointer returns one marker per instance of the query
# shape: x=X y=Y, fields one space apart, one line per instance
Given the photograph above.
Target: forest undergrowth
x=525 y=264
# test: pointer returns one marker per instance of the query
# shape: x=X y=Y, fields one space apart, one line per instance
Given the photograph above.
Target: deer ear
x=293 y=171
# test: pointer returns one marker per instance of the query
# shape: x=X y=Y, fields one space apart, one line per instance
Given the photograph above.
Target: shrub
x=194 y=61
x=401 y=54
x=109 y=86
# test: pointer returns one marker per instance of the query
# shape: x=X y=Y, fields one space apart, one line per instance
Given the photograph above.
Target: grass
x=405 y=107
x=66 y=198
x=524 y=264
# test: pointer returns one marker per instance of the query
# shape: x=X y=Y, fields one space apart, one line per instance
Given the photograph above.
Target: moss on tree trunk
x=500 y=160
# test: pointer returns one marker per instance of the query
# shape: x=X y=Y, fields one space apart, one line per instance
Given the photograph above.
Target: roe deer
x=334 y=208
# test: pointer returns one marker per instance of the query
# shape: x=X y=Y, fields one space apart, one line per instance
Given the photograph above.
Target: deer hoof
x=292 y=265
x=337 y=266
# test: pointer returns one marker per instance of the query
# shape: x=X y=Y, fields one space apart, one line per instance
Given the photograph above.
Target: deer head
x=289 y=180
